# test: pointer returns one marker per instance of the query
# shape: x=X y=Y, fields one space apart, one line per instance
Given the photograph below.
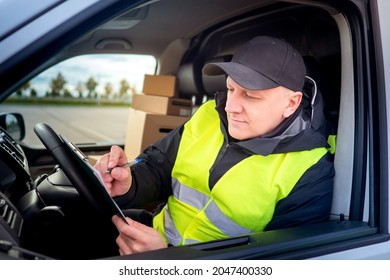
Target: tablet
x=96 y=190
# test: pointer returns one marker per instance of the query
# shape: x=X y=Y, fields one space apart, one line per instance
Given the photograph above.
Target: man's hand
x=118 y=181
x=136 y=237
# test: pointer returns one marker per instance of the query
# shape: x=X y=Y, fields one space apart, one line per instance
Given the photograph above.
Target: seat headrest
x=212 y=84
x=187 y=83
x=192 y=82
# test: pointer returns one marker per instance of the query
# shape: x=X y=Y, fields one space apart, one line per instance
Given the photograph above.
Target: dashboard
x=15 y=181
x=13 y=160
x=46 y=216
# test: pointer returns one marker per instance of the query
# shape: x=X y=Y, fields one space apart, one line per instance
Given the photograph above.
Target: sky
x=104 y=68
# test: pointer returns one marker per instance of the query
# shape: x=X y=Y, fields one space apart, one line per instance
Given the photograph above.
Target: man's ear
x=295 y=99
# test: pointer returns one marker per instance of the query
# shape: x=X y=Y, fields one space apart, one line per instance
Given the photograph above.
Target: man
x=253 y=159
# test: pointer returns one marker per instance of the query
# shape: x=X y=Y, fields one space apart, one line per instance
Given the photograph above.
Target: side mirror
x=13 y=123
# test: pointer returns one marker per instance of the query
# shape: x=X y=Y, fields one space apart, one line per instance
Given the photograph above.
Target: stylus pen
x=129 y=163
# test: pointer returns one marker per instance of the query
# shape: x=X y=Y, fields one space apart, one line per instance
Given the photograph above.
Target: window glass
x=85 y=98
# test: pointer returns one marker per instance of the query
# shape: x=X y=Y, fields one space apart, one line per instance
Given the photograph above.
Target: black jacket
x=309 y=201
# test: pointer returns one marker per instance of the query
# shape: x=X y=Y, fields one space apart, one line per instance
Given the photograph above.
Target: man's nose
x=233 y=103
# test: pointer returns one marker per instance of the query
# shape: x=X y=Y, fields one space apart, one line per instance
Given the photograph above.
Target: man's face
x=252 y=113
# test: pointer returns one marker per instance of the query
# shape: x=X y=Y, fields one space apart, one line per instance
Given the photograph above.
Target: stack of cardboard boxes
x=154 y=113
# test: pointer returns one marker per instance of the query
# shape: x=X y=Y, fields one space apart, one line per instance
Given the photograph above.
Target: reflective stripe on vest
x=199 y=201
x=244 y=198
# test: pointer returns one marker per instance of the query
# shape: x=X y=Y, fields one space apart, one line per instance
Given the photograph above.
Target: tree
x=91 y=85
x=67 y=93
x=108 y=89
x=57 y=85
x=124 y=88
x=33 y=92
x=23 y=89
x=19 y=92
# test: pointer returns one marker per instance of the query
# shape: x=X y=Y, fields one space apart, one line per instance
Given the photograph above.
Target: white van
x=345 y=44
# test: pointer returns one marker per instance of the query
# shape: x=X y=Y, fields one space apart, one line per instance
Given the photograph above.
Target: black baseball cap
x=263 y=63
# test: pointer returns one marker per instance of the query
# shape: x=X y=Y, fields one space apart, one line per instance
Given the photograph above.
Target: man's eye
x=251 y=96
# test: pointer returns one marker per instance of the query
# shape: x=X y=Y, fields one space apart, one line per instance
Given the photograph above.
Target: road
x=78 y=124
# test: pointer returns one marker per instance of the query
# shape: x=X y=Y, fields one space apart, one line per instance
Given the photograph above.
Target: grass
x=60 y=101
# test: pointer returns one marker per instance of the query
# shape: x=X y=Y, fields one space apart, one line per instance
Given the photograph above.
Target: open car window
x=86 y=97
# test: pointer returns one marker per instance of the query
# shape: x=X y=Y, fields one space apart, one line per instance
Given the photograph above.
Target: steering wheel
x=80 y=173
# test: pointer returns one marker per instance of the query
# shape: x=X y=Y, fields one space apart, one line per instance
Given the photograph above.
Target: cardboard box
x=162 y=105
x=161 y=85
x=144 y=129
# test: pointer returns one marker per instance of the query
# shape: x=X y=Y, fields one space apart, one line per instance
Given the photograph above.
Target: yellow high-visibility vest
x=244 y=198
